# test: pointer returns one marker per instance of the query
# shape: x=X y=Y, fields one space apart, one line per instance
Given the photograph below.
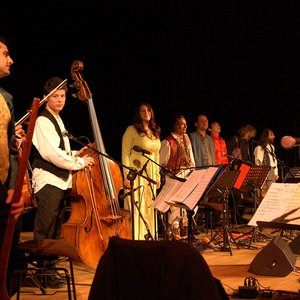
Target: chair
x=40 y=256
x=153 y=270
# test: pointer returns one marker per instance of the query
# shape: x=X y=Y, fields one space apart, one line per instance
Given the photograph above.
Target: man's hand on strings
x=81 y=151
x=88 y=160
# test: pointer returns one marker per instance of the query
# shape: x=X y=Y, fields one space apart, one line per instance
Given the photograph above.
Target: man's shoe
x=57 y=275
x=50 y=279
x=52 y=282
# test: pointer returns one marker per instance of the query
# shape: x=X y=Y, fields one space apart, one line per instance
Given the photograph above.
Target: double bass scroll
x=95 y=212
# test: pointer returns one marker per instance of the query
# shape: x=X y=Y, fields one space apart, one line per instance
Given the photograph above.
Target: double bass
x=95 y=211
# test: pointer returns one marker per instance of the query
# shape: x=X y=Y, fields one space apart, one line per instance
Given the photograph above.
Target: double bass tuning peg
x=73 y=86
x=81 y=92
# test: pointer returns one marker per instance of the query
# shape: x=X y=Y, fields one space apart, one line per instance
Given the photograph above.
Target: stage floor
x=231 y=270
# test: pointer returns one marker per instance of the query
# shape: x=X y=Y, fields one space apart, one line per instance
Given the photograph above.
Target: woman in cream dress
x=145 y=134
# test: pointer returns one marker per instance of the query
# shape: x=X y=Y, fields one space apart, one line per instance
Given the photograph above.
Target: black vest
x=39 y=162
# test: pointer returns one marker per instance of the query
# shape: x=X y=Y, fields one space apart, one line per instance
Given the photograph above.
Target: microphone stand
x=163 y=171
x=144 y=168
x=131 y=176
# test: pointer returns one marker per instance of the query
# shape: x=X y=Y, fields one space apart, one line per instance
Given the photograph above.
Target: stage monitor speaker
x=275 y=259
x=295 y=245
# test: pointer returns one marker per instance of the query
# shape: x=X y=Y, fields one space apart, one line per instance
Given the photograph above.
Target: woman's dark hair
x=264 y=137
x=137 y=121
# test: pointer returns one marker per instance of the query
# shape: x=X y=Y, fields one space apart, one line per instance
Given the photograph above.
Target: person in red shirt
x=220 y=144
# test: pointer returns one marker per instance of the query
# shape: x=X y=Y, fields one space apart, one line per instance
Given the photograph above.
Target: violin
x=10 y=225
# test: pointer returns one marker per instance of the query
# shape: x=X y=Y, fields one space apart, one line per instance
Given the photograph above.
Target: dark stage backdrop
x=236 y=62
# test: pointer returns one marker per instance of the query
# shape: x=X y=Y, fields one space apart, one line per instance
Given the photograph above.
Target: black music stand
x=252 y=186
x=293 y=175
x=221 y=189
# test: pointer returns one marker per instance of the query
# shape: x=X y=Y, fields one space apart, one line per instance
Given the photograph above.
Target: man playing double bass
x=53 y=163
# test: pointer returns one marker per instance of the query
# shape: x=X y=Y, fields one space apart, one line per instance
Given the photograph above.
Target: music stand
x=293 y=175
x=221 y=189
x=252 y=183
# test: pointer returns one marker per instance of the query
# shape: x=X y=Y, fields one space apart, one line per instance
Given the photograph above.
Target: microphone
x=123 y=196
x=140 y=149
x=288 y=142
x=67 y=134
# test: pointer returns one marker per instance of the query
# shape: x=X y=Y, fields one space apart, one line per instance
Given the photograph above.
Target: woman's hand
x=126 y=183
x=158 y=184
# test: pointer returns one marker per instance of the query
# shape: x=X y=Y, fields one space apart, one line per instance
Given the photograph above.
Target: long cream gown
x=145 y=195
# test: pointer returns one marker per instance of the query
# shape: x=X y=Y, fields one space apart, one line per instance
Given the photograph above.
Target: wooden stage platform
x=231 y=270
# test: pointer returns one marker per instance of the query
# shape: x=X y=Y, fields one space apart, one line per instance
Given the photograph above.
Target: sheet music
x=190 y=193
x=280 y=204
x=186 y=194
x=187 y=188
x=293 y=208
x=170 y=188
